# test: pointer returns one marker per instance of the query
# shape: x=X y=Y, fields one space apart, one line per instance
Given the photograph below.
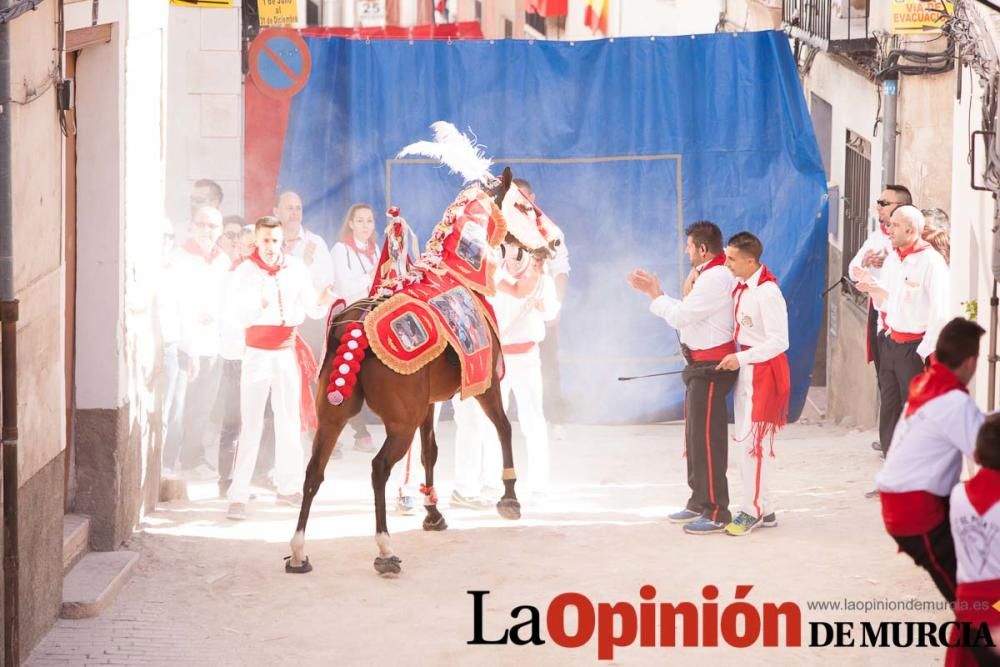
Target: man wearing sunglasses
x=869 y=259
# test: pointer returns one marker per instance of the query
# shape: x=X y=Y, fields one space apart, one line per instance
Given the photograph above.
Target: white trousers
x=274 y=372
x=478 y=459
x=753 y=465
x=476 y=466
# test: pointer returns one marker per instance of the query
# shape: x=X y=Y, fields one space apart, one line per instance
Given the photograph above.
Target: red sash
x=969 y=595
x=518 y=348
x=264 y=337
x=772 y=387
x=912 y=513
x=714 y=353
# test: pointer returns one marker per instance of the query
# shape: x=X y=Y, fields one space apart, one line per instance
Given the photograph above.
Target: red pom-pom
x=393 y=212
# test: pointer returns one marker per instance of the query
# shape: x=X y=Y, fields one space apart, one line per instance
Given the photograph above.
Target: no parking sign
x=279 y=62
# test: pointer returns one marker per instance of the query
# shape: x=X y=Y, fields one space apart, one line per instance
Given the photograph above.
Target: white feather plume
x=453 y=149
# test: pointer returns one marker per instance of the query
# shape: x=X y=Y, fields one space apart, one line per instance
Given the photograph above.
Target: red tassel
x=429 y=491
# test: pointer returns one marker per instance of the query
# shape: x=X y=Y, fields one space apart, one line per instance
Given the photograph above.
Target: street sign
x=277 y=12
x=915 y=16
x=279 y=62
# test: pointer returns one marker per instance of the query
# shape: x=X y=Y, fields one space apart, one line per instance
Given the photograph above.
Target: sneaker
x=743 y=524
x=872 y=494
x=293 y=499
x=472 y=503
x=684 y=516
x=365 y=444
x=406 y=505
x=769 y=521
x=704 y=526
x=237 y=512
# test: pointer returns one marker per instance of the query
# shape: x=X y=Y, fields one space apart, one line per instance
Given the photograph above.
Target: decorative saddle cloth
x=412 y=328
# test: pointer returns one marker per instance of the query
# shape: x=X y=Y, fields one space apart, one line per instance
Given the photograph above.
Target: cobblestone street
x=208 y=591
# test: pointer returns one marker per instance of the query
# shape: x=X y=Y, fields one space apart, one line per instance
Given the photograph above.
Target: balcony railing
x=832 y=25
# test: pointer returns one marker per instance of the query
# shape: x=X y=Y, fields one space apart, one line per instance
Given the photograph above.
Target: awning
x=463 y=30
x=548 y=7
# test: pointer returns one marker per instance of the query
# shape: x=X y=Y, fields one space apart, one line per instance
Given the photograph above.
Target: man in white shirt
x=975 y=527
x=937 y=428
x=314 y=253
x=868 y=261
x=275 y=296
x=557 y=267
x=199 y=269
x=764 y=384
x=704 y=318
x=912 y=294
x=524 y=302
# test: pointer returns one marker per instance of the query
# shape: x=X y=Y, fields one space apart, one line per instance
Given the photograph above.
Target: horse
x=404 y=403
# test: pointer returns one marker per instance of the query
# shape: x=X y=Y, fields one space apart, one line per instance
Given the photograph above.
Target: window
x=313 y=13
x=857 y=190
x=479 y=11
x=535 y=22
x=508 y=29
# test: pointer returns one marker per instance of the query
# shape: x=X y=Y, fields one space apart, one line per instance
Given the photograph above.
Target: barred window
x=857 y=190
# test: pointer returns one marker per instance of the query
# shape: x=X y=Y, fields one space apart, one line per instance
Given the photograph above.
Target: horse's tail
x=345 y=351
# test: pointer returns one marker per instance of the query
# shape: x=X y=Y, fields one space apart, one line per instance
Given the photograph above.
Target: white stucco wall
x=205 y=93
x=39 y=272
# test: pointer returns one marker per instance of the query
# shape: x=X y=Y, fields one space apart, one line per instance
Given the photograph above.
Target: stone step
x=94 y=582
x=76 y=535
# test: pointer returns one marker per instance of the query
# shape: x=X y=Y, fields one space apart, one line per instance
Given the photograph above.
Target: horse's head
x=529 y=230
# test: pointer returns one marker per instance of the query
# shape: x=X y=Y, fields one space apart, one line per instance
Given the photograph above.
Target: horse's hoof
x=435 y=525
x=305 y=567
x=509 y=508
x=390 y=565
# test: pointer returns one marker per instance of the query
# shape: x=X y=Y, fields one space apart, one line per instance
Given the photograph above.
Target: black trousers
x=706 y=436
x=935 y=552
x=899 y=363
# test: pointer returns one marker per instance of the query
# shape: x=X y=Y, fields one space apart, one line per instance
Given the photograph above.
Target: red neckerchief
x=264 y=266
x=935 y=381
x=765 y=277
x=718 y=260
x=918 y=246
x=369 y=250
x=884 y=230
x=192 y=247
x=983 y=490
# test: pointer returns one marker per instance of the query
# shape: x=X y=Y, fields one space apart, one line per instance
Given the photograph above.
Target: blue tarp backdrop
x=625 y=141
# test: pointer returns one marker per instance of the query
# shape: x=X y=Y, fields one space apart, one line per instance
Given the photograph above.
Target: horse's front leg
x=492 y=403
x=428 y=457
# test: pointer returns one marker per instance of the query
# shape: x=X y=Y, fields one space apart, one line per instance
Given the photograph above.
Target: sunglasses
x=884 y=202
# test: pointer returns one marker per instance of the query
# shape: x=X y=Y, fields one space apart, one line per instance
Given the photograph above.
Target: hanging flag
x=548 y=8
x=595 y=16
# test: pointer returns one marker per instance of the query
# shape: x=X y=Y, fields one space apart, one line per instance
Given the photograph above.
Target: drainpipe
x=890 y=98
x=8 y=362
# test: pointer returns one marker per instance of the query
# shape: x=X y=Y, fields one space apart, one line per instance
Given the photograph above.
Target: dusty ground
x=211 y=591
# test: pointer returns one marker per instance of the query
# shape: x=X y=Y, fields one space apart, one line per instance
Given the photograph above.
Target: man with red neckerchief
x=199 y=269
x=869 y=261
x=913 y=298
x=703 y=317
x=924 y=463
x=975 y=527
x=276 y=295
x=764 y=384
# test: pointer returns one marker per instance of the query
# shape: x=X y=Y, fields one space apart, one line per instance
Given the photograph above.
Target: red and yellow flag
x=595 y=16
